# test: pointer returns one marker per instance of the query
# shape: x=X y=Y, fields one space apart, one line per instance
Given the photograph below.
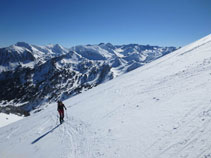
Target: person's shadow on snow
x=36 y=140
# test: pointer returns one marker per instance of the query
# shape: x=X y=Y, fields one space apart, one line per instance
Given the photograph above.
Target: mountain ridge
x=55 y=72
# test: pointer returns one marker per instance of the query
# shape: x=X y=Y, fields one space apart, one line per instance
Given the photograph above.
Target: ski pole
x=66 y=113
x=57 y=118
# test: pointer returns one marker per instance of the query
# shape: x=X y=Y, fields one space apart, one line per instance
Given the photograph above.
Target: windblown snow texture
x=160 y=110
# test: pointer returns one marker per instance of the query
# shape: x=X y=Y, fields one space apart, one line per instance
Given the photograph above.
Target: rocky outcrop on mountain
x=51 y=81
x=31 y=75
x=15 y=56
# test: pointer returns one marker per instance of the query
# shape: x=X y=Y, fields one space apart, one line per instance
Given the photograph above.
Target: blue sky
x=74 y=22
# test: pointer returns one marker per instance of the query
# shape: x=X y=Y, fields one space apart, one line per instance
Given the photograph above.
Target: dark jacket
x=61 y=106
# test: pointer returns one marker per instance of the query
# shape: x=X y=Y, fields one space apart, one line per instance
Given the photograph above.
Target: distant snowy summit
x=22 y=53
x=31 y=74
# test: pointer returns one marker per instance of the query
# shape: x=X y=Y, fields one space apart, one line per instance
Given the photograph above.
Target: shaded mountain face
x=11 y=57
x=31 y=75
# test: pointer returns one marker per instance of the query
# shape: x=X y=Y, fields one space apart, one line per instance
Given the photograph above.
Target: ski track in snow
x=72 y=138
x=192 y=126
x=161 y=110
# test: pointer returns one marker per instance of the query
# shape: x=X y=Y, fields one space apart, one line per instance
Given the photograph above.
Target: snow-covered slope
x=122 y=58
x=32 y=75
x=14 y=56
x=49 y=51
x=6 y=119
x=26 y=55
x=161 y=110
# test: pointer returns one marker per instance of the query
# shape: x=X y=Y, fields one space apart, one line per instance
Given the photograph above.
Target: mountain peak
x=105 y=44
x=100 y=44
x=23 y=44
x=57 y=46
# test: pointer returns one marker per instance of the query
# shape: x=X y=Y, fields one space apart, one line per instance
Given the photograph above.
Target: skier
x=60 y=109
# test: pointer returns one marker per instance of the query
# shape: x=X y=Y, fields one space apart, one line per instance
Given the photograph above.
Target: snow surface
x=161 y=110
x=6 y=119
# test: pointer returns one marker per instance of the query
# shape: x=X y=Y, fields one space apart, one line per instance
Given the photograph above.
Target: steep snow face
x=15 y=56
x=122 y=58
x=160 y=110
x=92 y=52
x=44 y=53
x=24 y=45
x=129 y=53
x=26 y=55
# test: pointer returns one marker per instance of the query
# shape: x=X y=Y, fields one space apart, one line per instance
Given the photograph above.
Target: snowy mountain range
x=160 y=110
x=31 y=75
